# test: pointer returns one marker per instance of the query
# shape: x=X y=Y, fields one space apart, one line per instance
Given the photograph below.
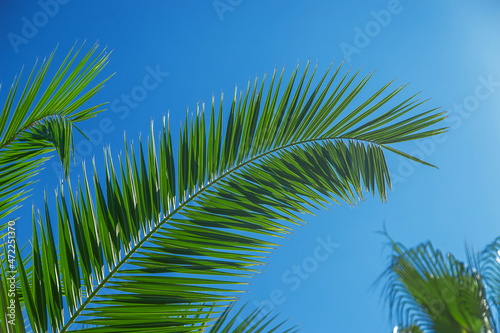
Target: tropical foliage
x=433 y=292
x=162 y=239
x=42 y=120
x=254 y=322
x=411 y=329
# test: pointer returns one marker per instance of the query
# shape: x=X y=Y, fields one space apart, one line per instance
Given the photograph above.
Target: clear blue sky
x=449 y=49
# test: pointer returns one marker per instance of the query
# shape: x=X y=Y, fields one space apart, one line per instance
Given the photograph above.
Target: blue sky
x=448 y=49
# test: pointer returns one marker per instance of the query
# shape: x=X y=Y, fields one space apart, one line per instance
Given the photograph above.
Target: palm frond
x=40 y=119
x=490 y=268
x=255 y=322
x=166 y=230
x=436 y=292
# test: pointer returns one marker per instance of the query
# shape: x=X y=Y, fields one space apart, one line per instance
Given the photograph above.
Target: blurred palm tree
x=430 y=292
x=411 y=329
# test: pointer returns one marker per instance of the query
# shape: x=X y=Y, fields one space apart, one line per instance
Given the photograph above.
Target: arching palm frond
x=436 y=292
x=167 y=230
x=40 y=119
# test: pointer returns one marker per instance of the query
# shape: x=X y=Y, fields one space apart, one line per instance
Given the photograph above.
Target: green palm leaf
x=490 y=267
x=41 y=120
x=165 y=231
x=436 y=292
x=255 y=322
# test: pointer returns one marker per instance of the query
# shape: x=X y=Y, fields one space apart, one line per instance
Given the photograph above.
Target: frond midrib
x=33 y=123
x=199 y=192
